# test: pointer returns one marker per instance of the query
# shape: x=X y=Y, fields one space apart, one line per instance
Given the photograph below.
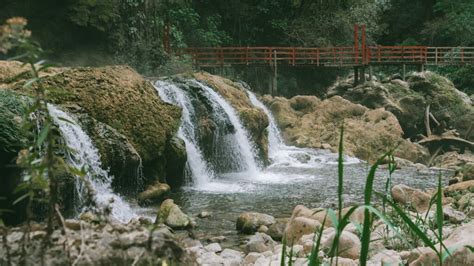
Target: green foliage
x=99 y=14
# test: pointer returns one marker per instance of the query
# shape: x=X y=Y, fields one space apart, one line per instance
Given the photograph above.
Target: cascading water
x=285 y=155
x=196 y=165
x=84 y=154
x=241 y=137
x=274 y=135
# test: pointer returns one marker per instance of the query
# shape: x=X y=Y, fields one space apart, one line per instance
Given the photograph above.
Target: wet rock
x=171 y=215
x=260 y=242
x=254 y=119
x=204 y=214
x=154 y=193
x=73 y=224
x=89 y=217
x=249 y=222
x=416 y=198
x=349 y=244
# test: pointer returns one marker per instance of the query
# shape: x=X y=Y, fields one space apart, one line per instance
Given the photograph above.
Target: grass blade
x=365 y=239
x=314 y=256
x=283 y=252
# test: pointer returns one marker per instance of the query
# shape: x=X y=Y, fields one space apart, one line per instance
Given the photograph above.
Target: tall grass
x=370 y=211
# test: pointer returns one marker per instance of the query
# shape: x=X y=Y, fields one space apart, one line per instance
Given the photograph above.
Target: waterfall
x=85 y=154
x=196 y=164
x=274 y=135
x=241 y=137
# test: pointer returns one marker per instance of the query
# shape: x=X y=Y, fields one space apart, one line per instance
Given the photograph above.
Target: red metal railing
x=329 y=56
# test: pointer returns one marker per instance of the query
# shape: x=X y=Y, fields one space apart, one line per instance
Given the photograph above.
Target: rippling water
x=280 y=188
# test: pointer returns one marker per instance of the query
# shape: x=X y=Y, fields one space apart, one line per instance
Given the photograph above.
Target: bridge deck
x=348 y=56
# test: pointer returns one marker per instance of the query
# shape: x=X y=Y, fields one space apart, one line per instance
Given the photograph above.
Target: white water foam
x=200 y=171
x=85 y=154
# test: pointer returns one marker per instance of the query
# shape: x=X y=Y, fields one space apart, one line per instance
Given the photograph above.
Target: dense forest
x=93 y=32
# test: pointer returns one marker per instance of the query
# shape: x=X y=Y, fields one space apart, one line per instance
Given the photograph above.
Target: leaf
x=30 y=82
x=43 y=134
x=283 y=252
x=365 y=238
x=21 y=198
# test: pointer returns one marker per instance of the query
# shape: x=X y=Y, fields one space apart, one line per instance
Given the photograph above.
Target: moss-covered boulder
x=368 y=133
x=408 y=101
x=254 y=119
x=122 y=112
x=120 y=98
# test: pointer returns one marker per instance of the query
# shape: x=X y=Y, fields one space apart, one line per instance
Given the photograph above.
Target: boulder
x=416 y=198
x=171 y=215
x=456 y=243
x=452 y=215
x=460 y=188
x=122 y=99
x=368 y=133
x=260 y=243
x=349 y=244
x=385 y=257
x=277 y=229
x=154 y=193
x=249 y=222
x=408 y=100
x=299 y=226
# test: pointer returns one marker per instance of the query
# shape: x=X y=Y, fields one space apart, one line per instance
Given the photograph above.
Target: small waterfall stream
x=196 y=164
x=85 y=154
x=241 y=136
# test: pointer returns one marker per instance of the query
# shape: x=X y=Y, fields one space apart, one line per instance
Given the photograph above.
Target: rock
x=204 y=214
x=386 y=257
x=456 y=243
x=89 y=217
x=452 y=215
x=260 y=242
x=217 y=239
x=122 y=99
x=171 y=215
x=299 y=226
x=249 y=222
x=460 y=188
x=254 y=119
x=416 y=198
x=277 y=229
x=349 y=244
x=466 y=201
x=252 y=257
x=214 y=247
x=73 y=224
x=407 y=100
x=262 y=229
x=154 y=193
x=232 y=255
x=365 y=129
x=340 y=262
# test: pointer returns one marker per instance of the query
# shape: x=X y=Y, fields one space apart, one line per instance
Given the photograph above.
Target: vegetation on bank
x=93 y=32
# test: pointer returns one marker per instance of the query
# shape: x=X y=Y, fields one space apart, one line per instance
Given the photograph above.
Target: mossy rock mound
x=367 y=133
x=122 y=99
x=407 y=100
x=121 y=104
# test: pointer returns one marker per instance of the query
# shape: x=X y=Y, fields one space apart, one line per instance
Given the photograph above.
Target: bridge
x=359 y=56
